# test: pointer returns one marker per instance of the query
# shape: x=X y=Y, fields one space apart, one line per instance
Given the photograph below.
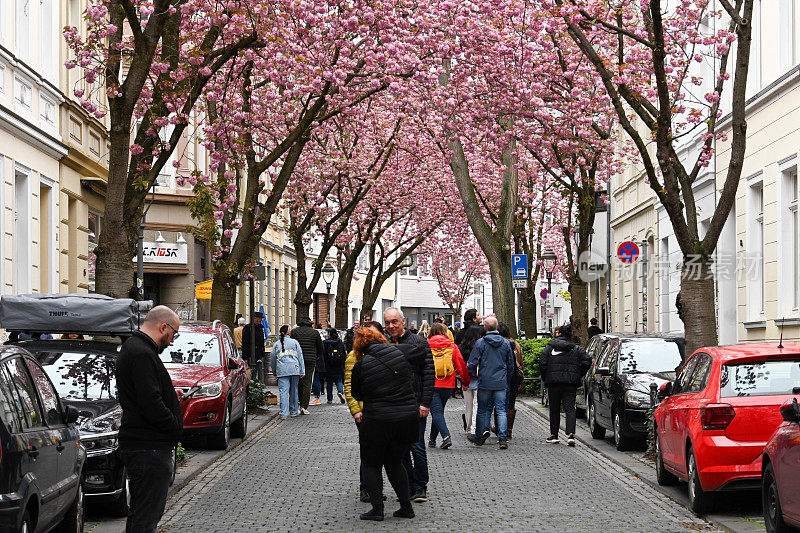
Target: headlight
x=97 y=443
x=208 y=391
x=105 y=423
x=635 y=398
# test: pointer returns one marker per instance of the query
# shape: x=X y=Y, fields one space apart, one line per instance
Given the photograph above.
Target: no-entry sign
x=628 y=252
x=544 y=294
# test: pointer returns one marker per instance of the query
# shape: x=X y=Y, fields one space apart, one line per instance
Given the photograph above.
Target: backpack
x=335 y=357
x=443 y=362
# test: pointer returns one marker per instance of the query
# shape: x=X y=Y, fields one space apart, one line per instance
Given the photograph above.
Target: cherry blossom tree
x=456 y=266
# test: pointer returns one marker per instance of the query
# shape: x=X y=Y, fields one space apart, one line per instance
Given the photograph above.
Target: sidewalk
x=739 y=513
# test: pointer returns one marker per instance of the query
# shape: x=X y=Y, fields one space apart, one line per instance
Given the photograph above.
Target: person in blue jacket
x=287 y=360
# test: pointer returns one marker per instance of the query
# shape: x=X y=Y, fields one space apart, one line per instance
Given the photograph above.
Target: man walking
x=423 y=378
x=238 y=331
x=563 y=364
x=311 y=344
x=152 y=421
x=492 y=364
x=593 y=329
x=471 y=320
x=350 y=335
x=250 y=331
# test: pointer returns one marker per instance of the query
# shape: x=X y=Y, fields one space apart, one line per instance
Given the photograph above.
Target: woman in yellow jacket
x=355 y=409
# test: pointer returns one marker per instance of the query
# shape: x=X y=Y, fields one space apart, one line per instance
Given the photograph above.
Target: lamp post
x=327 y=275
x=549 y=260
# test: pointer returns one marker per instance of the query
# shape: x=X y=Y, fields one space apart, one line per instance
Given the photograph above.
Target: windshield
x=81 y=376
x=193 y=349
x=651 y=355
x=760 y=379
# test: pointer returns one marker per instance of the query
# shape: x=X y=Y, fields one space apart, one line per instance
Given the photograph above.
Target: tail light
x=716 y=415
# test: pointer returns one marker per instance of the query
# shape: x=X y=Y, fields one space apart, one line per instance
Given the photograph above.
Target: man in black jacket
x=350 y=336
x=152 y=421
x=423 y=379
x=563 y=364
x=471 y=320
x=594 y=329
x=257 y=329
x=311 y=344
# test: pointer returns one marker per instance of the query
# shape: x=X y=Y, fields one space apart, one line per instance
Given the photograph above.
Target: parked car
x=593 y=348
x=716 y=418
x=210 y=380
x=41 y=458
x=84 y=374
x=618 y=384
x=780 y=467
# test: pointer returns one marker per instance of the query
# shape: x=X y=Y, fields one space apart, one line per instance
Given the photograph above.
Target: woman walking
x=447 y=360
x=287 y=362
x=335 y=357
x=381 y=378
x=471 y=336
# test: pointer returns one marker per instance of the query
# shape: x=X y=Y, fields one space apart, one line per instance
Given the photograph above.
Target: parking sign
x=519 y=266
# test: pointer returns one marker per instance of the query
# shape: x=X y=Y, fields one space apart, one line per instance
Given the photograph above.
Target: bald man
x=152 y=421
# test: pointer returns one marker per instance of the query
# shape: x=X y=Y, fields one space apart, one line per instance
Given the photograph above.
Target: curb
x=631 y=471
x=193 y=473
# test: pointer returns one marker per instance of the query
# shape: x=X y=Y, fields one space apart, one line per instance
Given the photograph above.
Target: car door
x=681 y=405
x=236 y=377
x=605 y=385
x=67 y=437
x=789 y=475
x=38 y=439
x=584 y=390
x=596 y=391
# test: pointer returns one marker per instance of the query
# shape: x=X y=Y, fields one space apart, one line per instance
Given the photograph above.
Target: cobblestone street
x=301 y=475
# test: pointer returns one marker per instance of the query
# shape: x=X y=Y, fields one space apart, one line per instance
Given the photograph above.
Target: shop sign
x=202 y=290
x=164 y=252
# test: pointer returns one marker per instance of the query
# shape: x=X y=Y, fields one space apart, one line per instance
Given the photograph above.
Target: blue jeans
x=318 y=384
x=487 y=400
x=438 y=423
x=331 y=382
x=418 y=471
x=287 y=388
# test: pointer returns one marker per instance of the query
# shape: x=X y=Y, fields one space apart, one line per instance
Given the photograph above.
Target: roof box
x=93 y=314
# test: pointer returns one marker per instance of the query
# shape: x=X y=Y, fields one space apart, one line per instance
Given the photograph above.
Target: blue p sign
x=519 y=266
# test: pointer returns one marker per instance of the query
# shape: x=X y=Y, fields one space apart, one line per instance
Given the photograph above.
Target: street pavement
x=302 y=475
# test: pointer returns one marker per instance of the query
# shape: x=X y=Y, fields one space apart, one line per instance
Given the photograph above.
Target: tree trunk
x=529 y=310
x=304 y=296
x=503 y=300
x=342 y=309
x=223 y=298
x=578 y=291
x=697 y=299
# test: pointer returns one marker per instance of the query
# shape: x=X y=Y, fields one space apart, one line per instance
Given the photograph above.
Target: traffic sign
x=628 y=252
x=520 y=283
x=544 y=294
x=519 y=266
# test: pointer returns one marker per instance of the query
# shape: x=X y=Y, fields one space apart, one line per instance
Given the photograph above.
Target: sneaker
x=304 y=411
x=315 y=401
x=283 y=417
x=571 y=440
x=404 y=512
x=420 y=496
x=475 y=440
x=432 y=443
x=294 y=414
x=503 y=444
x=446 y=442
x=341 y=397
x=486 y=435
x=552 y=439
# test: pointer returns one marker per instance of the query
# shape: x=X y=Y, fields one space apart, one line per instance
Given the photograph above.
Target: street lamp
x=549 y=260
x=327 y=275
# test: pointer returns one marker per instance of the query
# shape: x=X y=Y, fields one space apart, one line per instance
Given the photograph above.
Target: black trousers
x=149 y=472
x=557 y=395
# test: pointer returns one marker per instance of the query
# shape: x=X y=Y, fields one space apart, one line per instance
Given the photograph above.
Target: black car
x=618 y=384
x=41 y=459
x=83 y=372
x=593 y=349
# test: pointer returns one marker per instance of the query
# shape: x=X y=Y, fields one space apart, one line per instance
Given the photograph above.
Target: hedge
x=531 y=350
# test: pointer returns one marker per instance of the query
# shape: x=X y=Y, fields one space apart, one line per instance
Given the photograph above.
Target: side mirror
x=603 y=371
x=71 y=414
x=233 y=364
x=664 y=391
x=790 y=411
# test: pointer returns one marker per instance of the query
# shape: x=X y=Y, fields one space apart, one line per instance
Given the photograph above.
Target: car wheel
x=239 y=428
x=621 y=442
x=700 y=501
x=771 y=503
x=222 y=438
x=122 y=504
x=73 y=520
x=598 y=432
x=663 y=476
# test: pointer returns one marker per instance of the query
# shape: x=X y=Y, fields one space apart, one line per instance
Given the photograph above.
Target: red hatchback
x=780 y=488
x=210 y=380
x=716 y=418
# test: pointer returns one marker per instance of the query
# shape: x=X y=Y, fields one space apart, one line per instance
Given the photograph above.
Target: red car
x=716 y=418
x=780 y=486
x=210 y=380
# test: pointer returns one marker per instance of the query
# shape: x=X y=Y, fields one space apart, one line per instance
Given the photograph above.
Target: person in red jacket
x=447 y=360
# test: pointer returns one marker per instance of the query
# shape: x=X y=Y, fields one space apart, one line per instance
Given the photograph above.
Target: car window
x=30 y=411
x=193 y=348
x=52 y=411
x=81 y=375
x=681 y=382
x=11 y=403
x=760 y=379
x=591 y=348
x=230 y=347
x=648 y=355
x=613 y=355
x=601 y=360
x=699 y=378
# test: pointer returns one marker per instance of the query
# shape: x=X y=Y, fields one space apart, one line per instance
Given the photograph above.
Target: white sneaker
x=571 y=440
x=304 y=411
x=341 y=397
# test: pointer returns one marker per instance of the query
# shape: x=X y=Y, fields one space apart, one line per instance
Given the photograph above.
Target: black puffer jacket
x=418 y=350
x=310 y=342
x=382 y=380
x=563 y=362
x=459 y=338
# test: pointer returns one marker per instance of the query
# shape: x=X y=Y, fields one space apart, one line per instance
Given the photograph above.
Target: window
x=754 y=72
x=22 y=233
x=47 y=253
x=22 y=30
x=48 y=39
x=663 y=273
x=193 y=349
x=81 y=376
x=10 y=404
x=30 y=411
x=605 y=355
x=789 y=295
x=699 y=378
x=94 y=237
x=649 y=355
x=47 y=394
x=786 y=20
x=682 y=381
x=755 y=258
x=759 y=379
